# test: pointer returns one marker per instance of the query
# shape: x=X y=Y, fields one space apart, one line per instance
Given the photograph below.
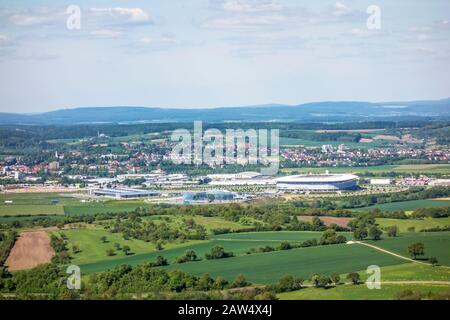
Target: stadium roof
x=318 y=178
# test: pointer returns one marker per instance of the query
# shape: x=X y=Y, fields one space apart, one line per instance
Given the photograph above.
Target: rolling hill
x=310 y=112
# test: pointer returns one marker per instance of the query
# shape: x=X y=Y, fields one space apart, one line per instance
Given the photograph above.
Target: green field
x=272 y=236
x=24 y=209
x=93 y=249
x=264 y=268
x=37 y=198
x=34 y=203
x=103 y=207
x=408 y=205
x=400 y=272
x=404 y=224
x=419 y=168
x=284 y=141
x=361 y=292
x=41 y=204
x=437 y=244
x=411 y=272
x=237 y=246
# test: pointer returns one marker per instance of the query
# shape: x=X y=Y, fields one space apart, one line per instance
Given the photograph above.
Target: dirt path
x=30 y=250
x=392 y=253
x=388 y=252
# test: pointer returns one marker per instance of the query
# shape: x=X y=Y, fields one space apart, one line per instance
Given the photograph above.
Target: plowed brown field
x=30 y=250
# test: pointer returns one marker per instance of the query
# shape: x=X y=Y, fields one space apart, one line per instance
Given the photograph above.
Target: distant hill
x=309 y=112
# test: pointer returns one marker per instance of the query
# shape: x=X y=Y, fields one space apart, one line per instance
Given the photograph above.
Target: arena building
x=317 y=182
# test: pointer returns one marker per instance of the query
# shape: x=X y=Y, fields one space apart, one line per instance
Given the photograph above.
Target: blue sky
x=206 y=53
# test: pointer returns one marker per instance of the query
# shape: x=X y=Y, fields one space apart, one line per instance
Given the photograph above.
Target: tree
x=110 y=252
x=205 y=282
x=416 y=249
x=240 y=281
x=392 y=231
x=161 y=261
x=218 y=252
x=159 y=246
x=320 y=281
x=335 y=278
x=75 y=249
x=190 y=255
x=433 y=261
x=117 y=246
x=324 y=281
x=220 y=283
x=288 y=283
x=126 y=250
x=317 y=224
x=360 y=233
x=285 y=246
x=103 y=239
x=354 y=277
x=375 y=233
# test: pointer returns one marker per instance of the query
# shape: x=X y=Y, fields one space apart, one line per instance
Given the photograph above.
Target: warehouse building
x=123 y=193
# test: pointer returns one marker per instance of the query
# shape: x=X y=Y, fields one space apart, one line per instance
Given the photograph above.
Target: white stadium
x=317 y=182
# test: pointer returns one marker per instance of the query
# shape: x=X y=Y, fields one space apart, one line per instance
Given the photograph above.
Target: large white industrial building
x=317 y=182
x=122 y=193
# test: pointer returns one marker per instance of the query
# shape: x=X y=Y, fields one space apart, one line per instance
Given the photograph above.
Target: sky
x=209 y=53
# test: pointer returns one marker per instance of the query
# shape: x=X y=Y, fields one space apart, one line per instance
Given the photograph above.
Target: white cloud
x=136 y=15
x=361 y=32
x=106 y=33
x=247 y=6
x=37 y=17
x=425 y=50
x=28 y=20
x=236 y=22
x=420 y=29
x=160 y=40
x=5 y=41
x=339 y=9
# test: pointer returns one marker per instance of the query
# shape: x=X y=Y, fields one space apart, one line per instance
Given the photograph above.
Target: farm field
x=264 y=268
x=410 y=272
x=105 y=207
x=436 y=244
x=404 y=224
x=238 y=246
x=37 y=198
x=41 y=204
x=340 y=221
x=30 y=250
x=361 y=292
x=93 y=249
x=408 y=205
x=273 y=236
x=34 y=203
x=24 y=209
